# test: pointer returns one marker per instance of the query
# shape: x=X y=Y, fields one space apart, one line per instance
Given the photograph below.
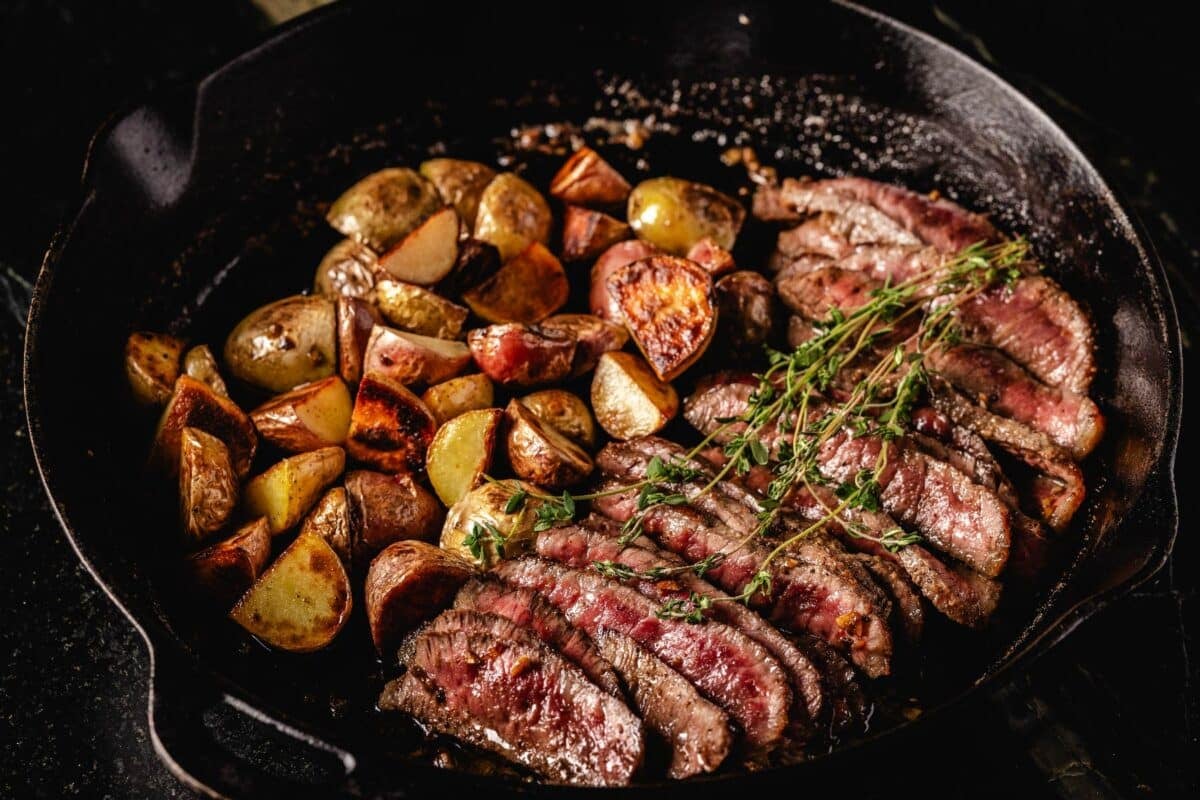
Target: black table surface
x=1111 y=713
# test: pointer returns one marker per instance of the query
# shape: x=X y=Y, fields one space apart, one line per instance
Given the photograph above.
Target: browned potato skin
x=528 y=288
x=588 y=233
x=600 y=300
x=714 y=259
x=669 y=309
x=200 y=364
x=521 y=355
x=746 y=300
x=405 y=358
x=152 y=365
x=587 y=179
x=389 y=508
x=512 y=215
x=407 y=584
x=460 y=183
x=195 y=404
x=278 y=420
x=593 y=337
x=418 y=310
x=390 y=428
x=355 y=320
x=458 y=395
x=383 y=207
x=224 y=571
x=565 y=412
x=540 y=454
x=625 y=412
x=349 y=269
x=208 y=487
x=285 y=343
x=330 y=519
x=477 y=262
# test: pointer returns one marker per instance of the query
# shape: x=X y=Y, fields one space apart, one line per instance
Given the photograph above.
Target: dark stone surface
x=1112 y=713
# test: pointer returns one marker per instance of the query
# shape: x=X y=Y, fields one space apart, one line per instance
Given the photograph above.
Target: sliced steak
x=907 y=610
x=493 y=684
x=849 y=707
x=942 y=438
x=824 y=235
x=794 y=200
x=960 y=593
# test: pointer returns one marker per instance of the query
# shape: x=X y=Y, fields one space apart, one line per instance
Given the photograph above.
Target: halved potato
x=200 y=364
x=461 y=453
x=417 y=310
x=387 y=508
x=674 y=214
x=285 y=343
x=330 y=519
x=459 y=395
x=383 y=207
x=285 y=492
x=460 y=183
x=629 y=399
x=528 y=288
x=356 y=318
x=477 y=261
x=208 y=486
x=600 y=301
x=410 y=358
x=714 y=259
x=301 y=602
x=512 y=215
x=349 y=268
x=152 y=365
x=565 y=412
x=195 y=404
x=479 y=528
x=592 y=336
x=669 y=309
x=390 y=428
x=587 y=179
x=224 y=571
x=539 y=453
x=588 y=233
x=309 y=417
x=522 y=355
x=427 y=253
x=407 y=584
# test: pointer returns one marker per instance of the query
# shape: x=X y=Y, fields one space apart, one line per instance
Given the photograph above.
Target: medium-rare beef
x=727 y=667
x=696 y=732
x=530 y=610
x=491 y=683
x=960 y=593
x=941 y=437
x=849 y=708
x=794 y=200
x=825 y=235
x=907 y=610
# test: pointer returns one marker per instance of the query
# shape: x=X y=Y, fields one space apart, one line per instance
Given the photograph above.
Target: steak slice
x=493 y=684
x=727 y=667
x=960 y=593
x=907 y=611
x=531 y=610
x=695 y=730
x=793 y=200
x=849 y=707
x=824 y=235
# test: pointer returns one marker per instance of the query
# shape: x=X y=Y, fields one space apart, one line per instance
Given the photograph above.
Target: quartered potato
x=565 y=412
x=479 y=529
x=669 y=309
x=416 y=309
x=539 y=453
x=152 y=365
x=301 y=602
x=477 y=261
x=512 y=215
x=674 y=214
x=224 y=571
x=330 y=519
x=459 y=395
x=309 y=417
x=200 y=364
x=383 y=207
x=407 y=584
x=714 y=259
x=356 y=318
x=522 y=355
x=600 y=301
x=588 y=233
x=390 y=428
x=427 y=253
x=208 y=486
x=285 y=343
x=387 y=508
x=529 y=287
x=593 y=336
x=285 y=492
x=349 y=268
x=589 y=180
x=410 y=358
x=461 y=453
x=195 y=404
x=629 y=399
x=460 y=183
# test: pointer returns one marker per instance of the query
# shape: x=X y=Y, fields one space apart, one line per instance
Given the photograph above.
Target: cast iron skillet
x=206 y=203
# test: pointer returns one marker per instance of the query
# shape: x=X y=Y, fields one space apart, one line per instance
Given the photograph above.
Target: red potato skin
x=593 y=337
x=588 y=233
x=522 y=355
x=223 y=572
x=385 y=509
x=715 y=260
x=600 y=300
x=408 y=583
x=355 y=319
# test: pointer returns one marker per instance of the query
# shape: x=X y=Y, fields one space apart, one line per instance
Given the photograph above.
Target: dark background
x=1111 y=713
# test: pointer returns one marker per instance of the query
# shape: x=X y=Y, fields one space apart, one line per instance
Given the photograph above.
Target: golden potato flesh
x=224 y=571
x=195 y=404
x=674 y=214
x=390 y=428
x=200 y=364
x=528 y=288
x=407 y=584
x=383 y=207
x=415 y=309
x=208 y=486
x=285 y=343
x=587 y=179
x=629 y=399
x=461 y=453
x=285 y=492
x=309 y=417
x=459 y=395
x=460 y=183
x=512 y=215
x=387 y=508
x=348 y=269
x=330 y=519
x=539 y=453
x=427 y=253
x=152 y=365
x=412 y=359
x=600 y=301
x=480 y=530
x=565 y=412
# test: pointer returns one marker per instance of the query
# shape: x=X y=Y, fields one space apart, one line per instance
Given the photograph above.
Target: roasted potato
x=746 y=301
x=356 y=318
x=152 y=365
x=593 y=336
x=309 y=417
x=629 y=399
x=350 y=268
x=285 y=343
x=460 y=183
x=674 y=214
x=477 y=261
x=330 y=519
x=415 y=309
x=410 y=358
x=539 y=453
x=407 y=584
x=194 y=404
x=479 y=529
x=390 y=428
x=200 y=364
x=459 y=395
x=387 y=508
x=301 y=602
x=285 y=492
x=512 y=215
x=600 y=300
x=522 y=355
x=714 y=259
x=669 y=308
x=588 y=233
x=565 y=412
x=383 y=207
x=589 y=180
x=427 y=253
x=461 y=453
x=528 y=288
x=223 y=572
x=208 y=486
